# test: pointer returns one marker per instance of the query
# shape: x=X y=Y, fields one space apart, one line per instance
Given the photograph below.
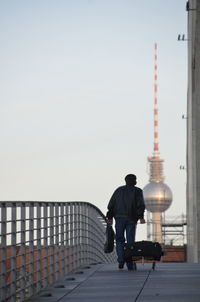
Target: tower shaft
x=157 y=229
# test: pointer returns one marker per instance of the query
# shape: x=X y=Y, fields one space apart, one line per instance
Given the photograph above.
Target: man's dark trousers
x=124 y=225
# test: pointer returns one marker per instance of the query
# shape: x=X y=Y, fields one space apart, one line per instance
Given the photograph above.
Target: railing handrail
x=52 y=201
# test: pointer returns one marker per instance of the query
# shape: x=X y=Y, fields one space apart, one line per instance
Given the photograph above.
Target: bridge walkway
x=174 y=282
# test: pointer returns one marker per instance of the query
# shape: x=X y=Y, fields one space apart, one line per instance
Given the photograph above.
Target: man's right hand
x=142 y=220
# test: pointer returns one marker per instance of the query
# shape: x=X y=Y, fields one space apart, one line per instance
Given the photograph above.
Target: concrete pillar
x=193 y=133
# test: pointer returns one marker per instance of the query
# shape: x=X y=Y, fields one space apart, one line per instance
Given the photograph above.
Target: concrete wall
x=193 y=133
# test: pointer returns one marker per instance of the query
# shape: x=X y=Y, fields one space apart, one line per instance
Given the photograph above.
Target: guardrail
x=40 y=242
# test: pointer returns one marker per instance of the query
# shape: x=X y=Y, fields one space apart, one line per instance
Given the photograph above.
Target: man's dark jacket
x=128 y=202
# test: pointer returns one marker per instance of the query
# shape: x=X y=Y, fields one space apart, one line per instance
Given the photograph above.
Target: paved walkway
x=170 y=282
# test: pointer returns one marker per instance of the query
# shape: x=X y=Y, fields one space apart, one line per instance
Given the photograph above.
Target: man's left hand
x=109 y=221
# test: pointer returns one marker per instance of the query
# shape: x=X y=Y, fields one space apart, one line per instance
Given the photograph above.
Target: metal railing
x=40 y=242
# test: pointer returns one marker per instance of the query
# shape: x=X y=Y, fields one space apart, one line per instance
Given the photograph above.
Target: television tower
x=157 y=195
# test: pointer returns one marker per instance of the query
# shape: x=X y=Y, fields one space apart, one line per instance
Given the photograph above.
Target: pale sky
x=76 y=97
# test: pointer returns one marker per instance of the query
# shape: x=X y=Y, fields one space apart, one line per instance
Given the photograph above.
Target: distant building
x=193 y=132
x=157 y=195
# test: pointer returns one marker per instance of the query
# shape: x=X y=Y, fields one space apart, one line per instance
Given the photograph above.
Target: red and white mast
x=156 y=147
x=155 y=162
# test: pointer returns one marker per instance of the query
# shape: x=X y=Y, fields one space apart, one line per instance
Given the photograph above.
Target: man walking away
x=127 y=207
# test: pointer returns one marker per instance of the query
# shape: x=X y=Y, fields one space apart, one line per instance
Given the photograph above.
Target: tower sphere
x=157 y=196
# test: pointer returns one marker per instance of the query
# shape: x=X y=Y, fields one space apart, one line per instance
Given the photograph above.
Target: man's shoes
x=129 y=266
x=121 y=265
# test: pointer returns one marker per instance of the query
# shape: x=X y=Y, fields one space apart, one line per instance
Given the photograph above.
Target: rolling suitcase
x=146 y=250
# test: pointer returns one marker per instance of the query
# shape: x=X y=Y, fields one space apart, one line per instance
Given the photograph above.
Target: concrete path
x=170 y=282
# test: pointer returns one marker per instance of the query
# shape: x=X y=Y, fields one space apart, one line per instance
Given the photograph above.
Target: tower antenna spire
x=156 y=146
x=156 y=163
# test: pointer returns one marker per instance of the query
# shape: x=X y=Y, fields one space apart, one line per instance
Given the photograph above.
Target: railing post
x=75 y=226
x=79 y=232
x=3 y=252
x=62 y=241
x=22 y=251
x=71 y=239
x=45 y=245
x=84 y=231
x=31 y=249
x=66 y=236
x=13 y=274
x=90 y=235
x=39 y=254
x=51 y=266
x=56 y=249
